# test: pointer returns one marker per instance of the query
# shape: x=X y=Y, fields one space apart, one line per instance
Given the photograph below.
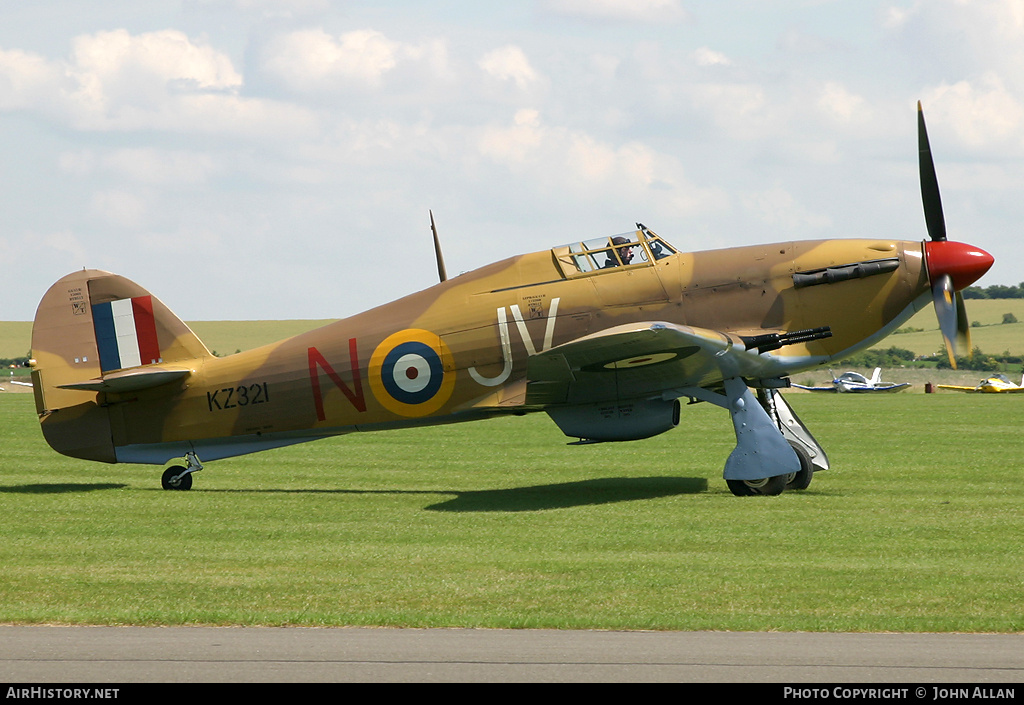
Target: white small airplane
x=856 y=382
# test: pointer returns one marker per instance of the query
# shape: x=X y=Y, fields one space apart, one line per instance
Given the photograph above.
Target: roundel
x=412 y=373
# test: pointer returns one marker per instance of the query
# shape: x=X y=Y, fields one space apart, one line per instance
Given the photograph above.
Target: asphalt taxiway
x=47 y=655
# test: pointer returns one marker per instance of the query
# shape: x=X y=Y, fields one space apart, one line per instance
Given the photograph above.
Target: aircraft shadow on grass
x=571 y=494
x=60 y=488
x=539 y=497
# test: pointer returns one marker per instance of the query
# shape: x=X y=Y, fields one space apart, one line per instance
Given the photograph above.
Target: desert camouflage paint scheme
x=605 y=335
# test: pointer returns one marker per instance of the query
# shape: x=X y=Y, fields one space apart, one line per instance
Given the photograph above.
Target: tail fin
x=877 y=376
x=97 y=333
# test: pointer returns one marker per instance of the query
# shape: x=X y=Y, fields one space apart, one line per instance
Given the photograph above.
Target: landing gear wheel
x=801 y=479
x=172 y=481
x=767 y=486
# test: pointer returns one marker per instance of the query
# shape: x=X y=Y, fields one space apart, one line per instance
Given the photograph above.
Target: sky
x=261 y=159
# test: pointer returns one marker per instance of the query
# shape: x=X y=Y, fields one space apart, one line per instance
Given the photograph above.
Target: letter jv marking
x=506 y=342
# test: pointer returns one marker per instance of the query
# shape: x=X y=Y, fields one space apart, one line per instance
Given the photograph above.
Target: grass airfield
x=919 y=527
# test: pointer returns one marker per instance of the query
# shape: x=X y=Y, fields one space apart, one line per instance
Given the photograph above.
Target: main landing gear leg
x=812 y=456
x=179 y=477
x=765 y=460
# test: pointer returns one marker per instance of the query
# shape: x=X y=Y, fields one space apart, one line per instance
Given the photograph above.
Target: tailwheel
x=765 y=486
x=179 y=477
x=176 y=477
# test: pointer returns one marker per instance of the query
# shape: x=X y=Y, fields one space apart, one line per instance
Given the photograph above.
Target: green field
x=990 y=334
x=919 y=527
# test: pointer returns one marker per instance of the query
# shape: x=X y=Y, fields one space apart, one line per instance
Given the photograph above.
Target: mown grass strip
x=500 y=524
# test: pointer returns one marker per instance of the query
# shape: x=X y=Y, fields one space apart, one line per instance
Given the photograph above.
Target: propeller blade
x=929 y=183
x=944 y=297
x=963 y=331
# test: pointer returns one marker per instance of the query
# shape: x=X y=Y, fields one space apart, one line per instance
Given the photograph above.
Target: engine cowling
x=629 y=420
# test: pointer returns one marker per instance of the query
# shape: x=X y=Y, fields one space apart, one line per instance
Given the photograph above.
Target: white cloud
x=708 y=57
x=894 y=17
x=516 y=144
x=26 y=80
x=119 y=76
x=509 y=63
x=841 y=104
x=162 y=80
x=982 y=112
x=312 y=60
x=119 y=59
x=571 y=162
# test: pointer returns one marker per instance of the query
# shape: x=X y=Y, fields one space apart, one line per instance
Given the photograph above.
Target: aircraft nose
x=965 y=264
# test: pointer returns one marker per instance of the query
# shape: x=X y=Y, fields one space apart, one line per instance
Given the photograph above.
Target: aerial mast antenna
x=442 y=275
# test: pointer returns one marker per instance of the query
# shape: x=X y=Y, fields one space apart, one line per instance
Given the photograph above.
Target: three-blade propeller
x=949 y=303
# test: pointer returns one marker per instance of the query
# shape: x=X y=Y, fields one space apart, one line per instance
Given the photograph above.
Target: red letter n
x=356 y=397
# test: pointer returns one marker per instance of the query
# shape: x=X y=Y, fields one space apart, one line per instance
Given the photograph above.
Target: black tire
x=740 y=488
x=802 y=479
x=169 y=483
x=768 y=486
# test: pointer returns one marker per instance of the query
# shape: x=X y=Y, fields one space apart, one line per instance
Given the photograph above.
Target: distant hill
x=990 y=334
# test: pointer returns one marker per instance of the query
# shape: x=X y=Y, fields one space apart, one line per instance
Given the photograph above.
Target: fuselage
x=458 y=350
x=996 y=384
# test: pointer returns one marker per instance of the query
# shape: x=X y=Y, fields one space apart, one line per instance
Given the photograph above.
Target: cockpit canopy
x=856 y=377
x=637 y=248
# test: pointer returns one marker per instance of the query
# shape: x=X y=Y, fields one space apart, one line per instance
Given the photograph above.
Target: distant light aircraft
x=996 y=384
x=857 y=383
x=14 y=381
x=605 y=335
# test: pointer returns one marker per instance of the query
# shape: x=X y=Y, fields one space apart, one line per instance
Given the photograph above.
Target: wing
x=640 y=359
x=892 y=387
x=956 y=388
x=816 y=389
x=882 y=388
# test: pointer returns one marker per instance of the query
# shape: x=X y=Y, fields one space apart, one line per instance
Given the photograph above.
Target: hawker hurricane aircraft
x=605 y=335
x=996 y=384
x=856 y=383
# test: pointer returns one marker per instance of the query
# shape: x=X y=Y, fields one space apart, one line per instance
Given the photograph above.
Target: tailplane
x=97 y=333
